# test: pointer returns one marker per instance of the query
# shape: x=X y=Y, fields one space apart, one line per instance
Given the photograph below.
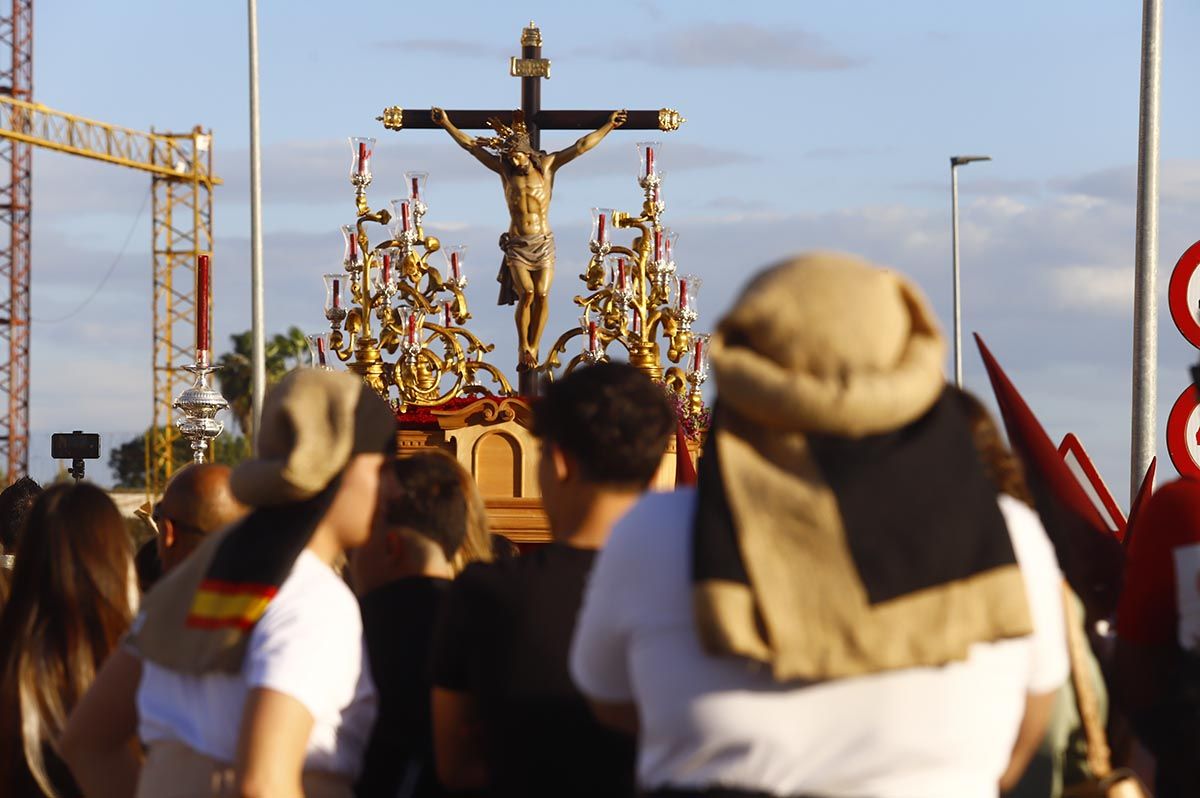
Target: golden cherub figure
x=527 y=268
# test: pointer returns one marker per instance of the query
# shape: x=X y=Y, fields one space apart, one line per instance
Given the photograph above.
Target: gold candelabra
x=419 y=312
x=638 y=297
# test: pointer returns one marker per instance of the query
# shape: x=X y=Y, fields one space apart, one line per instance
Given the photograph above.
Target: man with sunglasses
x=197 y=502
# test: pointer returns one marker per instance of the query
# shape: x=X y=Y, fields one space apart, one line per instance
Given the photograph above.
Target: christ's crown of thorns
x=509 y=139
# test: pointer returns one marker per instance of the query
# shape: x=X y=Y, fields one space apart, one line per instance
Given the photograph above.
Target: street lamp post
x=258 y=349
x=1145 y=292
x=955 y=162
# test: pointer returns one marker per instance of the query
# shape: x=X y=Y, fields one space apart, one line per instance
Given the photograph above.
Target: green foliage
x=284 y=352
x=231 y=449
x=128 y=461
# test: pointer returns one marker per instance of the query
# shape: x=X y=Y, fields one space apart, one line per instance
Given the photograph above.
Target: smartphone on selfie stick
x=75 y=446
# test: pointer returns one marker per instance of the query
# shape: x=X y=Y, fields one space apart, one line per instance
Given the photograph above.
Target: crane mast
x=180 y=168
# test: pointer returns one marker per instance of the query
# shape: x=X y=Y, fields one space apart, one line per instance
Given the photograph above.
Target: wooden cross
x=531 y=68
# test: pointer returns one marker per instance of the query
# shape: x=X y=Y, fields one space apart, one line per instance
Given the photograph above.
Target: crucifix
x=527 y=174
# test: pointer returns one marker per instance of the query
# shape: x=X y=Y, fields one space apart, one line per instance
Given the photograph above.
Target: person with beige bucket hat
x=247 y=661
x=844 y=605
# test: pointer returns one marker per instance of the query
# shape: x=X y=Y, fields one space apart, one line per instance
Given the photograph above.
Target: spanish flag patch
x=219 y=604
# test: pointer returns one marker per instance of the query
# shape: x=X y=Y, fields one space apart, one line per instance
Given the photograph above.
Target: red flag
x=1091 y=558
x=1139 y=501
x=685 y=469
x=1072 y=447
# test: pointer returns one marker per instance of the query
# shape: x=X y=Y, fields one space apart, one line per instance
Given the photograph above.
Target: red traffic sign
x=1183 y=433
x=1183 y=294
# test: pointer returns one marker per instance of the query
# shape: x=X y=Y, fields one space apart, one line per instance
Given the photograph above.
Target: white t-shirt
x=1187 y=594
x=706 y=721
x=308 y=645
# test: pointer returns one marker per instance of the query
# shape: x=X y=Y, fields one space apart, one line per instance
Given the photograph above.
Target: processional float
x=398 y=314
x=399 y=317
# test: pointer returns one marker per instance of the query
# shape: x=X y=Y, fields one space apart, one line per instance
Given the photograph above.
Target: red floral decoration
x=423 y=417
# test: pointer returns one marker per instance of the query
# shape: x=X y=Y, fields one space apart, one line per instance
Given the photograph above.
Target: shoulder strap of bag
x=1099 y=757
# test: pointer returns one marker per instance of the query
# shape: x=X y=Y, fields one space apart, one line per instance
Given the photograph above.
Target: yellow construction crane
x=180 y=167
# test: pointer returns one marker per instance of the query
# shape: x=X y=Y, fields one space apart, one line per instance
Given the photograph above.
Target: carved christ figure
x=527 y=267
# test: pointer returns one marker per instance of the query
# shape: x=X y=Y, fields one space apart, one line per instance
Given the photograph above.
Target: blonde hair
x=70 y=603
x=477 y=546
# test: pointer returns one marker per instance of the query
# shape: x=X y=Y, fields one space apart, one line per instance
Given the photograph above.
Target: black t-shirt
x=398 y=624
x=505 y=638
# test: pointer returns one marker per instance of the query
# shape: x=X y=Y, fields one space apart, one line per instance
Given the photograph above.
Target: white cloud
x=735 y=44
x=1179 y=183
x=989 y=186
x=308 y=172
x=844 y=153
x=1093 y=288
x=1001 y=205
x=1040 y=276
x=449 y=48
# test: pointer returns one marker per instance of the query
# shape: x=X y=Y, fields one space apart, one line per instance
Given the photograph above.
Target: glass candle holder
x=335 y=298
x=352 y=257
x=402 y=214
x=687 y=290
x=656 y=195
x=618 y=266
x=670 y=239
x=361 y=150
x=385 y=277
x=318 y=350
x=699 y=356
x=416 y=185
x=412 y=327
x=618 y=272
x=601 y=222
x=456 y=265
x=648 y=162
x=663 y=262
x=591 y=330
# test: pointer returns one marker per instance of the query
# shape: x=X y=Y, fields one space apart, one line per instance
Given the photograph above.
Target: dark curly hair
x=612 y=419
x=15 y=503
x=430 y=500
x=1002 y=466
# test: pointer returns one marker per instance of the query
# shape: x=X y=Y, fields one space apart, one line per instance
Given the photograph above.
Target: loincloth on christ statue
x=531 y=253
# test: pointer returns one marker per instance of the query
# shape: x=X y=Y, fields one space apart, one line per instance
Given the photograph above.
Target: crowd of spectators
x=858 y=597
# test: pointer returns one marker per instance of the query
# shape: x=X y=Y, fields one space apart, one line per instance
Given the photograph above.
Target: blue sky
x=810 y=125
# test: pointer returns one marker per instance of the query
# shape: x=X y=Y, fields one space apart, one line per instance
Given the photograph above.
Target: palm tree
x=284 y=352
